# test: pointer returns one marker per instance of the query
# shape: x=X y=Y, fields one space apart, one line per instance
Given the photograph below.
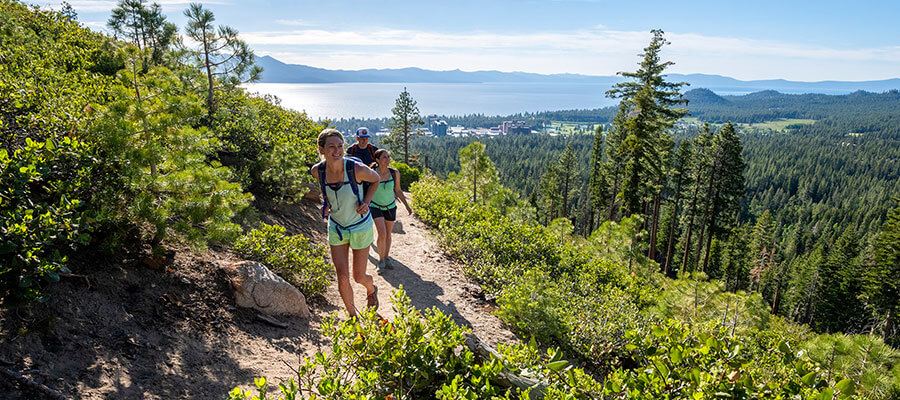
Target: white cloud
x=597 y=52
x=293 y=22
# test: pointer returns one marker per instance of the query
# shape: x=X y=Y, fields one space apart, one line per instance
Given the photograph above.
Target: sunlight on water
x=371 y=100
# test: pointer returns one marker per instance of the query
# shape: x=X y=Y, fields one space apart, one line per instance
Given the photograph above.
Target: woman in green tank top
x=349 y=220
x=384 y=205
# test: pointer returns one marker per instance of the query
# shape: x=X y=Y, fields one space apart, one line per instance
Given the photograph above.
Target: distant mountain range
x=275 y=71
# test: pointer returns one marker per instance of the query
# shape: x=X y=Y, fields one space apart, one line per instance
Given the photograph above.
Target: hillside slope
x=128 y=332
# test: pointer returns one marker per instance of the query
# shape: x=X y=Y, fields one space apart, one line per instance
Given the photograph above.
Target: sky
x=748 y=40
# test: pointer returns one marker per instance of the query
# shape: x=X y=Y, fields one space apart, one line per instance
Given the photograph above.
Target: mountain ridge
x=275 y=71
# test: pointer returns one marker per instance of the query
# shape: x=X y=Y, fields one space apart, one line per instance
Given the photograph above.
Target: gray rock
x=398 y=226
x=256 y=286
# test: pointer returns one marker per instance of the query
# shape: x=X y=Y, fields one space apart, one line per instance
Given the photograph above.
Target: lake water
x=374 y=100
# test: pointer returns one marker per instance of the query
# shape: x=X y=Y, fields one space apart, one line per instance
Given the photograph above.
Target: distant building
x=439 y=128
x=514 y=128
x=436 y=125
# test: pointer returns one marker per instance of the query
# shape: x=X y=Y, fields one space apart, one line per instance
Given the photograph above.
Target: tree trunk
x=209 y=79
x=709 y=193
x=654 y=227
x=672 y=227
x=690 y=227
x=475 y=181
x=565 y=199
x=712 y=227
x=612 y=198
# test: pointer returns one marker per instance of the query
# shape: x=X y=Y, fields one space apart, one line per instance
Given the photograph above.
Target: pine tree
x=648 y=109
x=702 y=166
x=143 y=26
x=477 y=173
x=225 y=58
x=568 y=175
x=726 y=185
x=681 y=179
x=403 y=123
x=882 y=284
x=597 y=185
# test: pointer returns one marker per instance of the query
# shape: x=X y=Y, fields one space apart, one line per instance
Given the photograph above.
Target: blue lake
x=373 y=100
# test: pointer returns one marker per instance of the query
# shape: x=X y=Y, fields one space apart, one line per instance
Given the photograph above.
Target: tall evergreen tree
x=883 y=280
x=680 y=180
x=568 y=176
x=649 y=107
x=597 y=184
x=403 y=123
x=224 y=57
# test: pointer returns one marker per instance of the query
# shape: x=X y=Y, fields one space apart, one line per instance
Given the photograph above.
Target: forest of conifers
x=803 y=189
x=659 y=257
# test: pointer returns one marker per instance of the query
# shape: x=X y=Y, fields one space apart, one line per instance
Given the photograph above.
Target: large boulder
x=257 y=287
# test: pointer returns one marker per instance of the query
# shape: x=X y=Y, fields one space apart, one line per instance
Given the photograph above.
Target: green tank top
x=343 y=207
x=385 y=198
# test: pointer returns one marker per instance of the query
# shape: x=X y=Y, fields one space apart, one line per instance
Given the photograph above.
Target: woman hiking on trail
x=349 y=221
x=384 y=205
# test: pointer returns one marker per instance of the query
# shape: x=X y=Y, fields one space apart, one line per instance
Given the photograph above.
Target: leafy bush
x=706 y=362
x=294 y=257
x=408 y=175
x=420 y=355
x=38 y=219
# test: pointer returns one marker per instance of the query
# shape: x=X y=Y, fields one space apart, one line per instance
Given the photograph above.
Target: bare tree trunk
x=712 y=227
x=690 y=227
x=654 y=228
x=672 y=227
x=209 y=78
x=709 y=193
x=612 y=198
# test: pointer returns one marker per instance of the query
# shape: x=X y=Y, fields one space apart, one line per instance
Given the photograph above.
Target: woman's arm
x=366 y=174
x=398 y=191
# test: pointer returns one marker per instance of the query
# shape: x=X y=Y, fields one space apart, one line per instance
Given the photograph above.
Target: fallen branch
x=22 y=380
x=485 y=352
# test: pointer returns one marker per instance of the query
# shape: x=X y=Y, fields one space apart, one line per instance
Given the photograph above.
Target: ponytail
x=378 y=154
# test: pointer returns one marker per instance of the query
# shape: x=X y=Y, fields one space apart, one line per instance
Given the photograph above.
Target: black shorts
x=388 y=215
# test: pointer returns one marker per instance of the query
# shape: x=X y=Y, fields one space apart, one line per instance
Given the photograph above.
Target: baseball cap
x=362 y=132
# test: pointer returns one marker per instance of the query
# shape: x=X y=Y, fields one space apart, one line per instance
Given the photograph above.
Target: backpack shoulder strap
x=321 y=168
x=350 y=167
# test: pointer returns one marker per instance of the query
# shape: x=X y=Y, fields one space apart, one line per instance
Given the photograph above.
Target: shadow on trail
x=422 y=294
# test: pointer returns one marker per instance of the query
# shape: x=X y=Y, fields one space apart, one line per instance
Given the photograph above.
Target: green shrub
x=293 y=257
x=408 y=175
x=39 y=220
x=420 y=355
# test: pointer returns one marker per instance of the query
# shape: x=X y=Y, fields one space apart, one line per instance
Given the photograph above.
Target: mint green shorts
x=357 y=240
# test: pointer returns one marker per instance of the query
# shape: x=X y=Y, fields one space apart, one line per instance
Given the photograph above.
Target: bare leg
x=340 y=256
x=360 y=260
x=379 y=226
x=388 y=228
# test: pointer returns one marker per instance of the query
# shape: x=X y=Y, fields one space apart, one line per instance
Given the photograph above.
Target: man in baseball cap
x=362 y=149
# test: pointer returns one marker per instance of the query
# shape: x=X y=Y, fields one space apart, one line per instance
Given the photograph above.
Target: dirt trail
x=431 y=279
